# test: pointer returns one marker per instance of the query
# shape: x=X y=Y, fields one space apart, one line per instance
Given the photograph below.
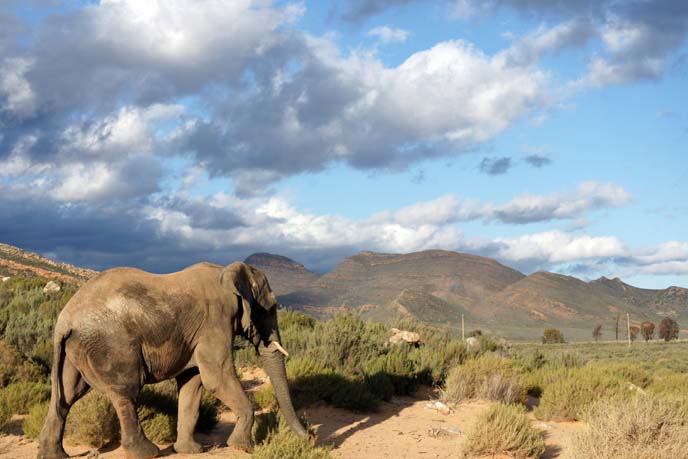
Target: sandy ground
x=402 y=428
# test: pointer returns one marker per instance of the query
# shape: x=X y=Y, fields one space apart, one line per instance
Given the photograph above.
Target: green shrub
x=264 y=397
x=394 y=370
x=438 y=354
x=159 y=426
x=276 y=441
x=669 y=383
x=33 y=423
x=92 y=421
x=346 y=342
x=310 y=381
x=489 y=377
x=21 y=396
x=504 y=430
x=644 y=427
x=552 y=336
x=570 y=391
x=5 y=414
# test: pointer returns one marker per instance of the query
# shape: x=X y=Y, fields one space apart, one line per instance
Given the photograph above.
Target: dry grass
x=644 y=427
x=506 y=430
x=489 y=377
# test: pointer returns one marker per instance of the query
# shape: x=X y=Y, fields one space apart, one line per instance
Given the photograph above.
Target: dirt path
x=402 y=428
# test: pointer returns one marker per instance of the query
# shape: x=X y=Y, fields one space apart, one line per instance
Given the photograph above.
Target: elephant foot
x=245 y=445
x=144 y=449
x=52 y=453
x=188 y=447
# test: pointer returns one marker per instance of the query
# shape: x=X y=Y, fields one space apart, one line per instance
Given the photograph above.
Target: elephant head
x=257 y=322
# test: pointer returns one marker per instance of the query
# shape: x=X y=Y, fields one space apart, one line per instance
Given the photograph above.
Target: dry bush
x=264 y=397
x=276 y=441
x=503 y=429
x=33 y=423
x=5 y=414
x=644 y=427
x=568 y=392
x=20 y=397
x=92 y=421
x=489 y=377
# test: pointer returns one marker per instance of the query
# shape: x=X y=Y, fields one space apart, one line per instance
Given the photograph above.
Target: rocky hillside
x=285 y=274
x=17 y=262
x=434 y=285
x=438 y=286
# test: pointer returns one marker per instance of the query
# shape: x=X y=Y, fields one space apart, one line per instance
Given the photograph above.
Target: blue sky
x=547 y=135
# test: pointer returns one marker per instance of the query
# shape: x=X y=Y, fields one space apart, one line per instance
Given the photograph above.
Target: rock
x=5 y=279
x=439 y=407
x=472 y=343
x=51 y=286
x=399 y=336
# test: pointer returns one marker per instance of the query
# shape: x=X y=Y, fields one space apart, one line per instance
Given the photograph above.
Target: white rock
x=472 y=343
x=5 y=279
x=51 y=286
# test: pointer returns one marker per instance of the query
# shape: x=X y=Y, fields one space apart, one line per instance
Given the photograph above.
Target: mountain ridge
x=18 y=262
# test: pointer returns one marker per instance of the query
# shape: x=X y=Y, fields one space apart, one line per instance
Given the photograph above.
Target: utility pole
x=628 y=324
x=463 y=330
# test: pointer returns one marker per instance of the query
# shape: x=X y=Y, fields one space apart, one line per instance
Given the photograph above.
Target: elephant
x=125 y=328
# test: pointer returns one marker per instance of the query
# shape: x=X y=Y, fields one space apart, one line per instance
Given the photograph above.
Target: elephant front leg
x=219 y=377
x=189 y=384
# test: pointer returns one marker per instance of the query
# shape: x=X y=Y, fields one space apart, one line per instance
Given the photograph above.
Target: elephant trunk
x=273 y=363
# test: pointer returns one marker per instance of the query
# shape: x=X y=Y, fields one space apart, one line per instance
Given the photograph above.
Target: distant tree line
x=668 y=330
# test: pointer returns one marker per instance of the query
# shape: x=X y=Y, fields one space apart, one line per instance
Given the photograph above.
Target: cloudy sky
x=158 y=133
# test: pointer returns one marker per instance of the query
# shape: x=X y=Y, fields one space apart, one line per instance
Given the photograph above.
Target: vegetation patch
x=275 y=440
x=489 y=377
x=644 y=427
x=20 y=397
x=504 y=430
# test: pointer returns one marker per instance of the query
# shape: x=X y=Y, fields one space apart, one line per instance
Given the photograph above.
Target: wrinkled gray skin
x=126 y=328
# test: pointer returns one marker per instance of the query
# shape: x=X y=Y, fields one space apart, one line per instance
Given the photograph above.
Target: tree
x=597 y=332
x=648 y=330
x=616 y=326
x=552 y=336
x=634 y=332
x=668 y=329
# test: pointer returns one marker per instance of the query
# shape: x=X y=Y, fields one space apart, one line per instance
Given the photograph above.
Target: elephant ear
x=261 y=289
x=238 y=278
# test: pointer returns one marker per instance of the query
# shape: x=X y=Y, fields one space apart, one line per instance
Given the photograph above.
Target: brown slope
x=368 y=279
x=555 y=299
x=17 y=262
x=672 y=301
x=284 y=274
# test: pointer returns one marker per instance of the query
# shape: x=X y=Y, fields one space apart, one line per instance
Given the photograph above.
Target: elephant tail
x=59 y=355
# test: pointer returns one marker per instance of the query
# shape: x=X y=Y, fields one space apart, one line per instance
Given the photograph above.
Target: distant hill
x=428 y=285
x=437 y=287
x=17 y=262
x=284 y=274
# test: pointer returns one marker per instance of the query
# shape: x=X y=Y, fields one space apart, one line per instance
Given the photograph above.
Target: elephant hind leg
x=73 y=387
x=134 y=441
x=189 y=384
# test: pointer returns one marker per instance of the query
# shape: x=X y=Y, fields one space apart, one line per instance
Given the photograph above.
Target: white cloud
x=558 y=247
x=574 y=33
x=130 y=130
x=388 y=34
x=589 y=196
x=20 y=100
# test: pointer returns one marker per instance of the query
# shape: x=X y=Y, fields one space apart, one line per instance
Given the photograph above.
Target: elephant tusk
x=279 y=347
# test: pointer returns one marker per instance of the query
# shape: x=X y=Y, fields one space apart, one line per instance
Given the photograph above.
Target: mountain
x=438 y=287
x=428 y=284
x=284 y=274
x=17 y=262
